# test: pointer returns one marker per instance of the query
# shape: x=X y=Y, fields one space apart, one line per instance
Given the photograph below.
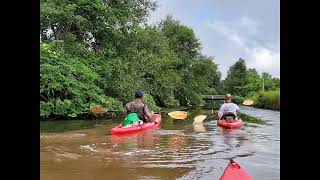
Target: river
x=177 y=150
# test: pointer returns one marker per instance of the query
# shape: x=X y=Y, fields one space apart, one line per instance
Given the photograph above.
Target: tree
x=99 y=24
x=68 y=86
x=96 y=53
x=237 y=78
x=269 y=82
x=181 y=39
x=254 y=83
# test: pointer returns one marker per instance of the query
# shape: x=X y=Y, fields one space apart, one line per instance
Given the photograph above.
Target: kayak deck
x=230 y=125
x=235 y=172
x=144 y=126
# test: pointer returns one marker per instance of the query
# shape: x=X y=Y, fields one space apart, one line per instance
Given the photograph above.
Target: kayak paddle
x=199 y=119
x=178 y=114
x=247 y=102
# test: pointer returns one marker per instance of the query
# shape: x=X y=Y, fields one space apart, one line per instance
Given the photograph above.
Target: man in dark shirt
x=137 y=106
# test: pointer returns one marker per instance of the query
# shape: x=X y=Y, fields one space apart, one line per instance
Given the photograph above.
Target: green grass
x=265 y=100
x=268 y=100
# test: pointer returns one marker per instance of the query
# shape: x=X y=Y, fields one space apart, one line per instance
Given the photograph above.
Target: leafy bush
x=148 y=100
x=68 y=86
x=238 y=99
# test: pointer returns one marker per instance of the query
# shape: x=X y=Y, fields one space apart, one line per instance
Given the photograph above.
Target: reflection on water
x=177 y=142
x=144 y=139
x=177 y=150
x=199 y=128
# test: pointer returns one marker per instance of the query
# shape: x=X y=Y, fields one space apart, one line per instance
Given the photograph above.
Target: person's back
x=137 y=106
x=228 y=107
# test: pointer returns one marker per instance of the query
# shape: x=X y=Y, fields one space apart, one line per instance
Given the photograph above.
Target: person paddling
x=228 y=110
x=137 y=110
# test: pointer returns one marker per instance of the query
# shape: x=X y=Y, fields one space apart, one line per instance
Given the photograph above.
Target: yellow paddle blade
x=178 y=114
x=247 y=102
x=199 y=119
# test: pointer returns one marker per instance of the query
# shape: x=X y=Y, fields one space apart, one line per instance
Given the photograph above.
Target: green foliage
x=96 y=54
x=237 y=78
x=248 y=84
x=67 y=85
x=268 y=100
x=148 y=100
x=99 y=24
x=213 y=104
x=254 y=83
x=238 y=99
x=182 y=39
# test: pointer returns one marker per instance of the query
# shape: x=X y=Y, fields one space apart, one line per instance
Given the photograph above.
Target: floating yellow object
x=247 y=102
x=178 y=114
x=199 y=119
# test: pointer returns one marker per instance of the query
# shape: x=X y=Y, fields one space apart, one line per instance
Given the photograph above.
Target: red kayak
x=144 y=126
x=235 y=172
x=229 y=124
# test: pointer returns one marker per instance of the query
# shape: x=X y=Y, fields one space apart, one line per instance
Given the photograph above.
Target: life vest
x=131 y=119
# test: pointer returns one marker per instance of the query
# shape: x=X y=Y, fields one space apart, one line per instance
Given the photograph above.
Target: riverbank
x=264 y=100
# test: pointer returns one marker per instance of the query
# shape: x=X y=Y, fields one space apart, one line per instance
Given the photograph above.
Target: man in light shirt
x=228 y=108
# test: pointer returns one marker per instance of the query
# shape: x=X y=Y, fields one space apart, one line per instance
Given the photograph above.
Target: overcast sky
x=230 y=29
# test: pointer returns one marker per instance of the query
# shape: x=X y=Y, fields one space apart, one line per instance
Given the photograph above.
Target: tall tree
x=181 y=39
x=237 y=78
x=254 y=81
x=96 y=53
x=97 y=23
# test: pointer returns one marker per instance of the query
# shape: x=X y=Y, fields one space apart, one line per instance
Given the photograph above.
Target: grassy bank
x=265 y=100
x=268 y=100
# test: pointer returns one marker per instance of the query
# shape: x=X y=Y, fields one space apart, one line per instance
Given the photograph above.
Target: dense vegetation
x=246 y=83
x=97 y=53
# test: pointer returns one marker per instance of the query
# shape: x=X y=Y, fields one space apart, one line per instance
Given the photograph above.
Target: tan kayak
x=178 y=114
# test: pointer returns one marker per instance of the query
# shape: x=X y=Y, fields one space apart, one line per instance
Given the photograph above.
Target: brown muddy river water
x=176 y=150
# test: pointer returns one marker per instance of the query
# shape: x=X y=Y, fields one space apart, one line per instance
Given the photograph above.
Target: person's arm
x=237 y=108
x=148 y=113
x=125 y=111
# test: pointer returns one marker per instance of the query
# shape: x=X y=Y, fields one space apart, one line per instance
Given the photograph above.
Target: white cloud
x=265 y=60
x=229 y=33
x=263 y=57
x=248 y=30
x=250 y=25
